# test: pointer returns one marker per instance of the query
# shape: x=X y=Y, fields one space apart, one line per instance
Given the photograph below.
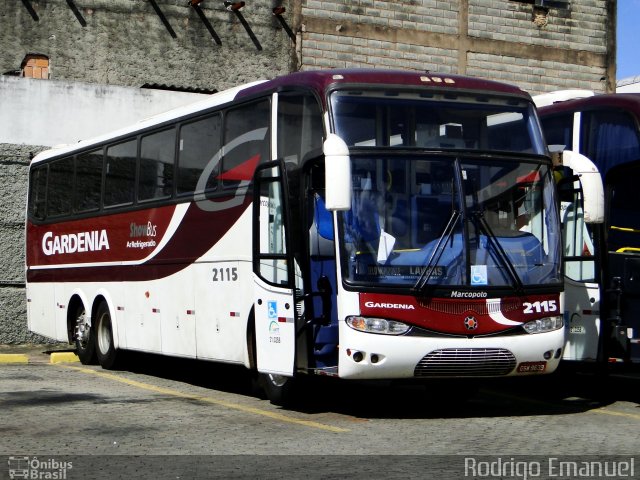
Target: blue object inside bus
x=323 y=264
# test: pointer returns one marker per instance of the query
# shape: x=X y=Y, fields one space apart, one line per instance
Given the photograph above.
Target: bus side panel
x=222 y=283
x=142 y=317
x=177 y=313
x=40 y=309
x=222 y=309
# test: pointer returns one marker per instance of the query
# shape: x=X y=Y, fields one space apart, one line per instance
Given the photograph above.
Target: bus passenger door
x=582 y=288
x=622 y=270
x=274 y=276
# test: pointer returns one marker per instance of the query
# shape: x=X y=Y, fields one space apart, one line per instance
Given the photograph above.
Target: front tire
x=103 y=332
x=280 y=390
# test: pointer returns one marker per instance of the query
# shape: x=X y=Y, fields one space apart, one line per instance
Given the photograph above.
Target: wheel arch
x=251 y=361
x=77 y=299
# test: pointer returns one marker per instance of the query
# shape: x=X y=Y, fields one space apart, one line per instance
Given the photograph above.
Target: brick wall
x=494 y=39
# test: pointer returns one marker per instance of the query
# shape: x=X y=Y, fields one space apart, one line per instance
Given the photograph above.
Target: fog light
x=357 y=357
x=558 y=353
x=374 y=358
x=547 y=355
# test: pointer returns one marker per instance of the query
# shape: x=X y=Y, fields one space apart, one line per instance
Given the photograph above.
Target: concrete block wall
x=14 y=165
x=570 y=51
x=494 y=39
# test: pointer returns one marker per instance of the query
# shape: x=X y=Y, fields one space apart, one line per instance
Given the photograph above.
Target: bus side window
x=60 y=187
x=88 y=181
x=157 y=152
x=119 y=184
x=37 y=193
x=198 y=146
x=246 y=142
x=299 y=127
x=609 y=137
x=558 y=130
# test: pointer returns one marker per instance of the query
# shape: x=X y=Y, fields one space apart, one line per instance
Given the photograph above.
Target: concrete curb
x=13 y=358
x=25 y=358
x=63 y=357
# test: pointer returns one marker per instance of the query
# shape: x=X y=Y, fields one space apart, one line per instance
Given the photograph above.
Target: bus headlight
x=377 y=325
x=542 y=325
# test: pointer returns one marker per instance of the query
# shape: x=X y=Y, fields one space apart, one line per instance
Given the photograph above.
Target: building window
x=35 y=66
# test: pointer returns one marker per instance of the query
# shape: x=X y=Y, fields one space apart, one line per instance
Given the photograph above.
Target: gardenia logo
x=75 y=242
x=396 y=306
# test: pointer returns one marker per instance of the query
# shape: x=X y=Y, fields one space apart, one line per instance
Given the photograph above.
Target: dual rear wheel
x=95 y=341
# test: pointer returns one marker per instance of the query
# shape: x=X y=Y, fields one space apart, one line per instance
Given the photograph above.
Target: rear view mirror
x=337 y=166
x=591 y=181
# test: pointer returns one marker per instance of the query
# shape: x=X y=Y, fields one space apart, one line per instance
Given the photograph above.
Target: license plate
x=531 y=367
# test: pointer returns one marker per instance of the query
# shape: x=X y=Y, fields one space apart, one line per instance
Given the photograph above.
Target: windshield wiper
x=482 y=224
x=425 y=276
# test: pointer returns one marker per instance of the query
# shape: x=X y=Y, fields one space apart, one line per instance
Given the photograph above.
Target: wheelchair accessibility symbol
x=479 y=275
x=272 y=309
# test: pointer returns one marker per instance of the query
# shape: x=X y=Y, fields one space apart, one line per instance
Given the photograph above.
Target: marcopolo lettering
x=459 y=294
x=75 y=242
x=396 y=306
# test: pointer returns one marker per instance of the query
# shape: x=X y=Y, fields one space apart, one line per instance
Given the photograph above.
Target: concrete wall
x=495 y=39
x=38 y=112
x=125 y=42
x=14 y=165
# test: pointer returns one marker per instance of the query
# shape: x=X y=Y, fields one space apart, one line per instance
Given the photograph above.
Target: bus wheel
x=105 y=348
x=84 y=338
x=280 y=390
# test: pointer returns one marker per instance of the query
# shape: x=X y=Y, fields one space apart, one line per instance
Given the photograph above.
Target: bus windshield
x=450 y=221
x=436 y=121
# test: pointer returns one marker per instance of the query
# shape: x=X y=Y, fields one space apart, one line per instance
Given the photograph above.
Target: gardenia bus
x=359 y=224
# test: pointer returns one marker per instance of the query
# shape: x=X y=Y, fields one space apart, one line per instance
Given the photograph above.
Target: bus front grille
x=466 y=362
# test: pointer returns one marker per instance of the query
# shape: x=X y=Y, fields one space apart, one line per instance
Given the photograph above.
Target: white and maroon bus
x=360 y=224
x=600 y=212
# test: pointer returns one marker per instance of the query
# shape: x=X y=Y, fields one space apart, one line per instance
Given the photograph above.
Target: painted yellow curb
x=14 y=358
x=63 y=357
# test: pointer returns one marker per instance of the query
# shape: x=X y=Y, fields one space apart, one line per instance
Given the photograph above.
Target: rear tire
x=84 y=338
x=103 y=332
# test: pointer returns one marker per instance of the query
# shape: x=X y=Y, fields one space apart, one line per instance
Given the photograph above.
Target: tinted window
x=37 y=192
x=299 y=127
x=88 y=181
x=437 y=121
x=609 y=138
x=246 y=142
x=157 y=152
x=60 y=187
x=199 y=144
x=120 y=174
x=558 y=130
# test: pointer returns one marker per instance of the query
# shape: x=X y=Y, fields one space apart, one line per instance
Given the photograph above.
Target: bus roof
x=321 y=80
x=627 y=101
x=318 y=80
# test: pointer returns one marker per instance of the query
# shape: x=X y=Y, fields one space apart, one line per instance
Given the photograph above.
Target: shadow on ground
x=565 y=392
